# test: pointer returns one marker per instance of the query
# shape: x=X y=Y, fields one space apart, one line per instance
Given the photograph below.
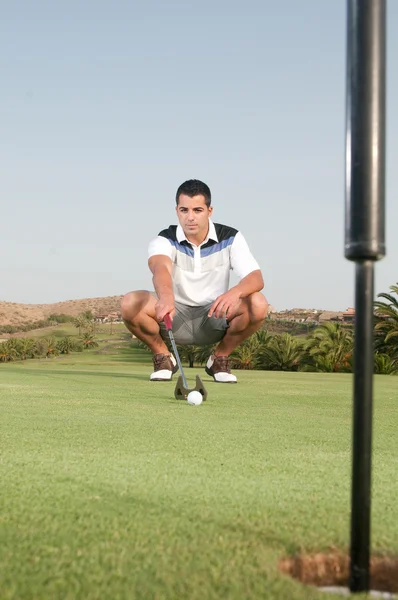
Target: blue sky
x=107 y=107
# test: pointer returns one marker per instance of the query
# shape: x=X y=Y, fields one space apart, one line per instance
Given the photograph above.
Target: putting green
x=111 y=488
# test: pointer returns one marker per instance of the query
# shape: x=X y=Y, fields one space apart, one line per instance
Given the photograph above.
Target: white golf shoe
x=218 y=368
x=165 y=366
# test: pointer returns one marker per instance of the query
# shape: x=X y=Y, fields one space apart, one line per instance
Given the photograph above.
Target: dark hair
x=194 y=187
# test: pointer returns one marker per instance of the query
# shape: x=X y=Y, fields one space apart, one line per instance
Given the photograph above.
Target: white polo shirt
x=201 y=273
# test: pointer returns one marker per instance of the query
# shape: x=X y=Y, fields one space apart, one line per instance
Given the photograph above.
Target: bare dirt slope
x=12 y=313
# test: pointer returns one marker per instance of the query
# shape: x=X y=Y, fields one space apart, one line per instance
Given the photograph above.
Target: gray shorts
x=191 y=325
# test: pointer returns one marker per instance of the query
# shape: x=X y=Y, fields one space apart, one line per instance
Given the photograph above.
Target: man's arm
x=224 y=305
x=253 y=282
x=161 y=267
x=247 y=269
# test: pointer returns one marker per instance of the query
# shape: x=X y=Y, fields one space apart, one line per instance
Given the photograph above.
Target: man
x=191 y=265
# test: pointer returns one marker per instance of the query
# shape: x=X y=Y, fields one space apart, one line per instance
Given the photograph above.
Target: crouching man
x=191 y=264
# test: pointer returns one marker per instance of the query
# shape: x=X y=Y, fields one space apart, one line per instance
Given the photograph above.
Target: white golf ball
x=195 y=398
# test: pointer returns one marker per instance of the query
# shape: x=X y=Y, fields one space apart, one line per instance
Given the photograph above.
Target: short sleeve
x=242 y=260
x=160 y=245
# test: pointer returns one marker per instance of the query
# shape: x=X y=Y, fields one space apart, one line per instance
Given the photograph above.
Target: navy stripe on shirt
x=217 y=247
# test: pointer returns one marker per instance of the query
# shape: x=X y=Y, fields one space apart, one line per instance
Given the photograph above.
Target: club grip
x=167 y=322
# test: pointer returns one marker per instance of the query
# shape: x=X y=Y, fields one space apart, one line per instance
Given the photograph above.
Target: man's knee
x=132 y=303
x=127 y=305
x=258 y=307
x=252 y=312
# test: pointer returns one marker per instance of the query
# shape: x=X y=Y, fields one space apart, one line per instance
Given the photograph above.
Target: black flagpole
x=364 y=244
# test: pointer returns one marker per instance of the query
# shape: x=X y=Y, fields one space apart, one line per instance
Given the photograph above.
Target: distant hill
x=12 y=313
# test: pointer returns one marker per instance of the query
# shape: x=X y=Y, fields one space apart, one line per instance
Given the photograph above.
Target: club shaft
x=177 y=358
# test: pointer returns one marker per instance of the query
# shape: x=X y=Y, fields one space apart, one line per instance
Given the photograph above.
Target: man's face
x=193 y=215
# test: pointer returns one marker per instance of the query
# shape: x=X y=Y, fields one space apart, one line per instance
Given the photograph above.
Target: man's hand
x=165 y=305
x=225 y=305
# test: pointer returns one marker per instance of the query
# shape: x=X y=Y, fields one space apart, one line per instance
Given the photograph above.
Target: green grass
x=112 y=489
x=103 y=330
x=113 y=340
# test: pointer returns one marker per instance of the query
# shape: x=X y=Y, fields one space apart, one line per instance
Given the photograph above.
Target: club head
x=199 y=387
x=181 y=392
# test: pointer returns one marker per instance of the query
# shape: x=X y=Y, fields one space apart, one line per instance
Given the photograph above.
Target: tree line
x=329 y=348
x=47 y=347
x=40 y=324
x=53 y=319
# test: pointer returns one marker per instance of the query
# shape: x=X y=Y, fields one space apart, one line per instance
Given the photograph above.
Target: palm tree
x=79 y=322
x=65 y=346
x=246 y=355
x=77 y=345
x=329 y=349
x=8 y=351
x=189 y=353
x=282 y=353
x=386 y=327
x=25 y=348
x=88 y=340
x=249 y=354
x=50 y=347
x=385 y=365
x=90 y=326
x=263 y=336
x=111 y=319
x=40 y=348
x=204 y=352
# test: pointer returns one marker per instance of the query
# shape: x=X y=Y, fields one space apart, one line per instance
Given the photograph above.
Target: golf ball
x=195 y=398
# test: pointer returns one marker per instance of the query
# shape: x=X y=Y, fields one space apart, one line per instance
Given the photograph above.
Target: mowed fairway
x=112 y=489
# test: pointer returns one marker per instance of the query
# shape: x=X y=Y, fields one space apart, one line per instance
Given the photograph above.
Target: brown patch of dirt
x=333 y=569
x=12 y=313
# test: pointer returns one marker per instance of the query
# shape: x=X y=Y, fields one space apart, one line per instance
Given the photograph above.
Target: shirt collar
x=211 y=235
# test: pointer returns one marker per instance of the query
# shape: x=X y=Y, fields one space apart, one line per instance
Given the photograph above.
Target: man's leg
x=138 y=314
x=247 y=319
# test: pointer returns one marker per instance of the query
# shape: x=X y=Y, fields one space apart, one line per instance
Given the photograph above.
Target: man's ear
x=210 y=210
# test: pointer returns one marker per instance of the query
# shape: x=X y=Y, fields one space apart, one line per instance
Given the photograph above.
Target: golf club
x=181 y=390
x=168 y=323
